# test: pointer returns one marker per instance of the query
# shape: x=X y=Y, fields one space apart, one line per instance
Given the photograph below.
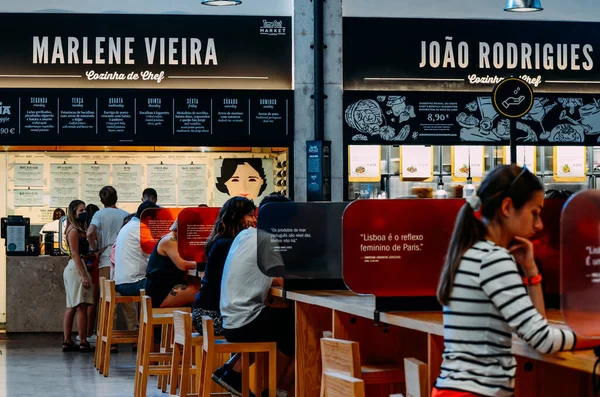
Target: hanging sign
x=569 y=164
x=464 y=157
x=364 y=163
x=526 y=155
x=416 y=162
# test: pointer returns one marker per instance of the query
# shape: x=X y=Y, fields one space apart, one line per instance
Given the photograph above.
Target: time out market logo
x=272 y=28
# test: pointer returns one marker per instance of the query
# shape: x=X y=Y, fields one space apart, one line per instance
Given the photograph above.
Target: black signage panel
x=193 y=116
x=61 y=50
x=306 y=238
x=154 y=114
x=76 y=115
x=38 y=118
x=512 y=98
x=116 y=117
x=146 y=117
x=468 y=51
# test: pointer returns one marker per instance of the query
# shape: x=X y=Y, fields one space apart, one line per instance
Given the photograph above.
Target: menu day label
x=364 y=163
x=569 y=164
x=462 y=158
x=580 y=263
x=526 y=155
x=416 y=162
x=396 y=247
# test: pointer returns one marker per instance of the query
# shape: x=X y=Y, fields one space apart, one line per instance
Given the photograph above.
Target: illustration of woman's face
x=245 y=182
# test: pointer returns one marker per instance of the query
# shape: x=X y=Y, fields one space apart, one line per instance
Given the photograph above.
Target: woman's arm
x=169 y=246
x=73 y=240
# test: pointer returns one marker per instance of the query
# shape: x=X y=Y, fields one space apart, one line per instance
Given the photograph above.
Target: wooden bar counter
x=419 y=335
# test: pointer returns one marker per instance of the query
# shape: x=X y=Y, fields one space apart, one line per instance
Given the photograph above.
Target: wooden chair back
x=208 y=331
x=340 y=385
x=341 y=356
x=182 y=324
x=109 y=291
x=416 y=374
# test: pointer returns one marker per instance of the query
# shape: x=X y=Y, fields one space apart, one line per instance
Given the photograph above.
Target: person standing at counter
x=104 y=227
x=484 y=295
x=52 y=226
x=236 y=215
x=167 y=282
x=77 y=279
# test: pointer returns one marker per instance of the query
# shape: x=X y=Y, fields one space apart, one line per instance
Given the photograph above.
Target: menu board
x=76 y=115
x=146 y=117
x=569 y=164
x=29 y=175
x=93 y=178
x=464 y=157
x=192 y=184
x=364 y=163
x=194 y=227
x=28 y=198
x=162 y=177
x=127 y=180
x=64 y=184
x=526 y=155
x=416 y=162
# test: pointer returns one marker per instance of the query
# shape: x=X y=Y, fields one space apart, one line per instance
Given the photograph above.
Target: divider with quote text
x=580 y=263
x=395 y=249
x=155 y=223
x=194 y=227
x=302 y=242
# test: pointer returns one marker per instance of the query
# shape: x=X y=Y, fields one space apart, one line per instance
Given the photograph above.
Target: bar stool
x=98 y=357
x=211 y=347
x=152 y=317
x=340 y=385
x=183 y=343
x=416 y=378
x=108 y=336
x=344 y=357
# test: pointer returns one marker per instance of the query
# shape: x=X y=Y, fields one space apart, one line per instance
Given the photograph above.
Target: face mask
x=82 y=217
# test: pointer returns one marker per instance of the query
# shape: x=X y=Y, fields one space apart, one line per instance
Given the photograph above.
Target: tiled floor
x=34 y=365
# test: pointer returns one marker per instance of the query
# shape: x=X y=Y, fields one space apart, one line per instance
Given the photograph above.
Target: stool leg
x=176 y=358
x=184 y=385
x=170 y=338
x=273 y=372
x=245 y=374
x=99 y=333
x=139 y=355
x=145 y=362
x=199 y=357
x=208 y=358
x=110 y=312
x=163 y=345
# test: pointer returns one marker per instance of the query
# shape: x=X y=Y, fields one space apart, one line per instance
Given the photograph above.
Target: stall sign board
x=155 y=223
x=194 y=228
x=580 y=263
x=305 y=237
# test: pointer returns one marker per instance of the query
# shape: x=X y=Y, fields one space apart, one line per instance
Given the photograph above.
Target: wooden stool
x=98 y=357
x=152 y=317
x=344 y=357
x=183 y=342
x=211 y=347
x=340 y=385
x=109 y=336
x=416 y=378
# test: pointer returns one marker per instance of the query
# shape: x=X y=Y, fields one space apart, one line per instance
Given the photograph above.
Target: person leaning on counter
x=484 y=295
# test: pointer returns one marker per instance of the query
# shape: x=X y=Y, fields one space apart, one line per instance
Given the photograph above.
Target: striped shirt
x=488 y=302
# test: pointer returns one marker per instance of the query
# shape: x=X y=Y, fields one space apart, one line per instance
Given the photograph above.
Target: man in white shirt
x=246 y=317
x=103 y=229
x=130 y=261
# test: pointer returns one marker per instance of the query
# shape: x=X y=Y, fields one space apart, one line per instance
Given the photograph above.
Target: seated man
x=246 y=317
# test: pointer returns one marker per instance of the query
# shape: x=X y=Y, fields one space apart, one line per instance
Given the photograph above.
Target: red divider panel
x=195 y=225
x=396 y=248
x=580 y=263
x=154 y=224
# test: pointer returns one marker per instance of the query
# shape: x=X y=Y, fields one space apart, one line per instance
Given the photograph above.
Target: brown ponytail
x=505 y=181
x=467 y=231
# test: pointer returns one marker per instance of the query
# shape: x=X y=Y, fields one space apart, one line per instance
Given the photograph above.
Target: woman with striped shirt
x=485 y=296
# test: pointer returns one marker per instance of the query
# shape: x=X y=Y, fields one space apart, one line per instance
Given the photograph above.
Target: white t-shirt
x=108 y=222
x=130 y=260
x=244 y=288
x=51 y=227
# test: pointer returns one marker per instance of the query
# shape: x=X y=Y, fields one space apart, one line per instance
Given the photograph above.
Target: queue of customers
x=233 y=291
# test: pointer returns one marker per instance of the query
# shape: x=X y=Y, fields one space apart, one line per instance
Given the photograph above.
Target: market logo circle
x=512 y=98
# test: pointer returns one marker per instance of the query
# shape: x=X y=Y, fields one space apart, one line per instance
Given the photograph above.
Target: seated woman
x=167 y=282
x=236 y=215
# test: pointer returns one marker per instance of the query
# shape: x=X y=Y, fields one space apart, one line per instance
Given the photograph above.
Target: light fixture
x=221 y=2
x=523 y=5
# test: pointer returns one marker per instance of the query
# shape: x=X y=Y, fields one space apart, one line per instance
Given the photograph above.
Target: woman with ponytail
x=490 y=287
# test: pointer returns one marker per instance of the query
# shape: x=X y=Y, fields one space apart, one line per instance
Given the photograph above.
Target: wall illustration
x=368 y=118
x=247 y=177
x=480 y=122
